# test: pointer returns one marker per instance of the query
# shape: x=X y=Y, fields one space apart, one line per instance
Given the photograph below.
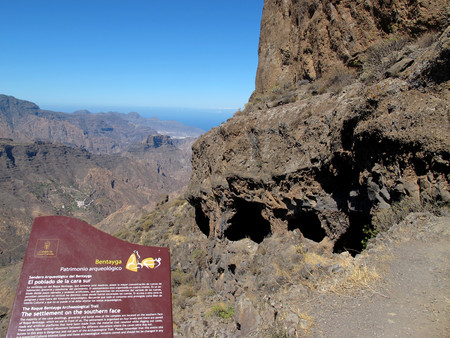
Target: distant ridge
x=99 y=133
x=171 y=128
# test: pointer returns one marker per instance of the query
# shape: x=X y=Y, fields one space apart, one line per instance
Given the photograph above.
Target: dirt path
x=412 y=297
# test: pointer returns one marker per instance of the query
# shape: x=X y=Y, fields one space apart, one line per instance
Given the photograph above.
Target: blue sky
x=130 y=55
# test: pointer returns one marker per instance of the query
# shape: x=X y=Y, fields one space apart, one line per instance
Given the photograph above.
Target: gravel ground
x=412 y=296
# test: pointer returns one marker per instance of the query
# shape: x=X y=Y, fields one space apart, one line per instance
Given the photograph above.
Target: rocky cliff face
x=305 y=39
x=327 y=162
x=287 y=189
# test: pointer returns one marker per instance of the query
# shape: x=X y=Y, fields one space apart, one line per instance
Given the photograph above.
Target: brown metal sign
x=78 y=281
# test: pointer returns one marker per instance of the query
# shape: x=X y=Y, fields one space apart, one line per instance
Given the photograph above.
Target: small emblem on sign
x=46 y=248
x=134 y=263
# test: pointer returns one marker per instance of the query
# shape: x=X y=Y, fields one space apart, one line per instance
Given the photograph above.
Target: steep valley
x=49 y=179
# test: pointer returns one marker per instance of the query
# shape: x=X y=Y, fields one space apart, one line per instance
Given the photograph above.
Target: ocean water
x=201 y=118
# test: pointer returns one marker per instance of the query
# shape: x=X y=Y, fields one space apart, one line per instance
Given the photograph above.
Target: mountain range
x=102 y=133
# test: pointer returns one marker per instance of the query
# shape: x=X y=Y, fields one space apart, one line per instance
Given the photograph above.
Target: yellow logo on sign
x=134 y=263
x=46 y=248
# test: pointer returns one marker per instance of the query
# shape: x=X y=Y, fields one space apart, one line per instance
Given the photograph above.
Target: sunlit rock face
x=303 y=39
x=325 y=163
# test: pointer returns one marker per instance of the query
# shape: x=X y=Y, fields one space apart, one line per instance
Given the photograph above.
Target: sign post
x=78 y=281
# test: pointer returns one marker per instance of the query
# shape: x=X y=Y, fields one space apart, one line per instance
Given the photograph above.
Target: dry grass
x=385 y=219
x=359 y=278
x=306 y=321
x=380 y=57
x=314 y=259
x=187 y=291
x=335 y=80
x=427 y=39
x=9 y=279
x=282 y=271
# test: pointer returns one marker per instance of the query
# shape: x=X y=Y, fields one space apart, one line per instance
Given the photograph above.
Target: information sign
x=78 y=281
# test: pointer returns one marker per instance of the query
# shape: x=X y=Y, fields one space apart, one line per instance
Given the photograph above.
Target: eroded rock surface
x=304 y=39
x=325 y=163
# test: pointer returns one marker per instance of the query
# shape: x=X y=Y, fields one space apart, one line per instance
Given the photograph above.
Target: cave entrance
x=309 y=225
x=248 y=222
x=202 y=220
x=354 y=238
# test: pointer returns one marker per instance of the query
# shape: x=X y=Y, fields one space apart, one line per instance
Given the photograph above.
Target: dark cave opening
x=248 y=222
x=355 y=236
x=438 y=72
x=202 y=220
x=309 y=225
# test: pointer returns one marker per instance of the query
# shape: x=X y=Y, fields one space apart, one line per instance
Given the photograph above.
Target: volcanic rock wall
x=303 y=39
x=326 y=163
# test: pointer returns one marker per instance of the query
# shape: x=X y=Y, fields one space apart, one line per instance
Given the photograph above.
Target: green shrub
x=222 y=310
x=177 y=277
x=210 y=293
x=368 y=233
x=147 y=225
x=383 y=220
x=122 y=234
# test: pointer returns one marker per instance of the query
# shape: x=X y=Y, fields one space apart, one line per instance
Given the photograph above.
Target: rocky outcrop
x=326 y=163
x=304 y=39
x=152 y=142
